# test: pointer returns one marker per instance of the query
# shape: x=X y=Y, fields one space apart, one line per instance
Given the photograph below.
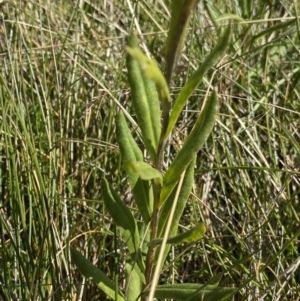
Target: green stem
x=154 y=219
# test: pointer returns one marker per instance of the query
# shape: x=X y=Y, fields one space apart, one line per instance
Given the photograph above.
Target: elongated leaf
x=154 y=107
x=139 y=100
x=216 y=279
x=238 y=19
x=145 y=171
x=143 y=196
x=151 y=71
x=130 y=151
x=276 y=27
x=189 y=236
x=128 y=146
x=246 y=8
x=185 y=191
x=180 y=14
x=91 y=272
x=211 y=12
x=145 y=233
x=134 y=281
x=122 y=216
x=193 y=292
x=195 y=79
x=150 y=83
x=191 y=146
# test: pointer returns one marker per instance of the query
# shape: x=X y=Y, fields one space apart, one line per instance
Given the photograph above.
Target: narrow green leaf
x=195 y=79
x=189 y=236
x=193 y=292
x=145 y=171
x=246 y=8
x=122 y=216
x=134 y=282
x=91 y=272
x=143 y=196
x=277 y=27
x=185 y=191
x=191 y=146
x=184 y=194
x=151 y=71
x=180 y=14
x=154 y=107
x=216 y=279
x=211 y=12
x=128 y=146
x=140 y=101
x=130 y=151
x=226 y=17
x=145 y=233
x=152 y=96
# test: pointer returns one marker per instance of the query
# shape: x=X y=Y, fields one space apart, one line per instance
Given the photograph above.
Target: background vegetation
x=63 y=80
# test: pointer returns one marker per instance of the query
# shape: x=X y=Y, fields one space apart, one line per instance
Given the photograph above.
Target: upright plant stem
x=154 y=220
x=176 y=37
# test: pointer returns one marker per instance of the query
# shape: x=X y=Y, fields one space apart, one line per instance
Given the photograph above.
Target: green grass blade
x=211 y=12
x=277 y=27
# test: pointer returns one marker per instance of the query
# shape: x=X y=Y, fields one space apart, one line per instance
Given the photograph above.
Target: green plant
x=160 y=197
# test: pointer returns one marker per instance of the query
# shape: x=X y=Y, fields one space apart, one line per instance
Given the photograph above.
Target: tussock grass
x=62 y=81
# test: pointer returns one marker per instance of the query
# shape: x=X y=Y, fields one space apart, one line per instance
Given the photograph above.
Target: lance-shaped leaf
x=91 y=272
x=191 y=146
x=189 y=236
x=130 y=151
x=144 y=109
x=185 y=191
x=145 y=171
x=193 y=292
x=180 y=13
x=152 y=96
x=195 y=79
x=135 y=279
x=151 y=71
x=128 y=146
x=154 y=107
x=122 y=216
